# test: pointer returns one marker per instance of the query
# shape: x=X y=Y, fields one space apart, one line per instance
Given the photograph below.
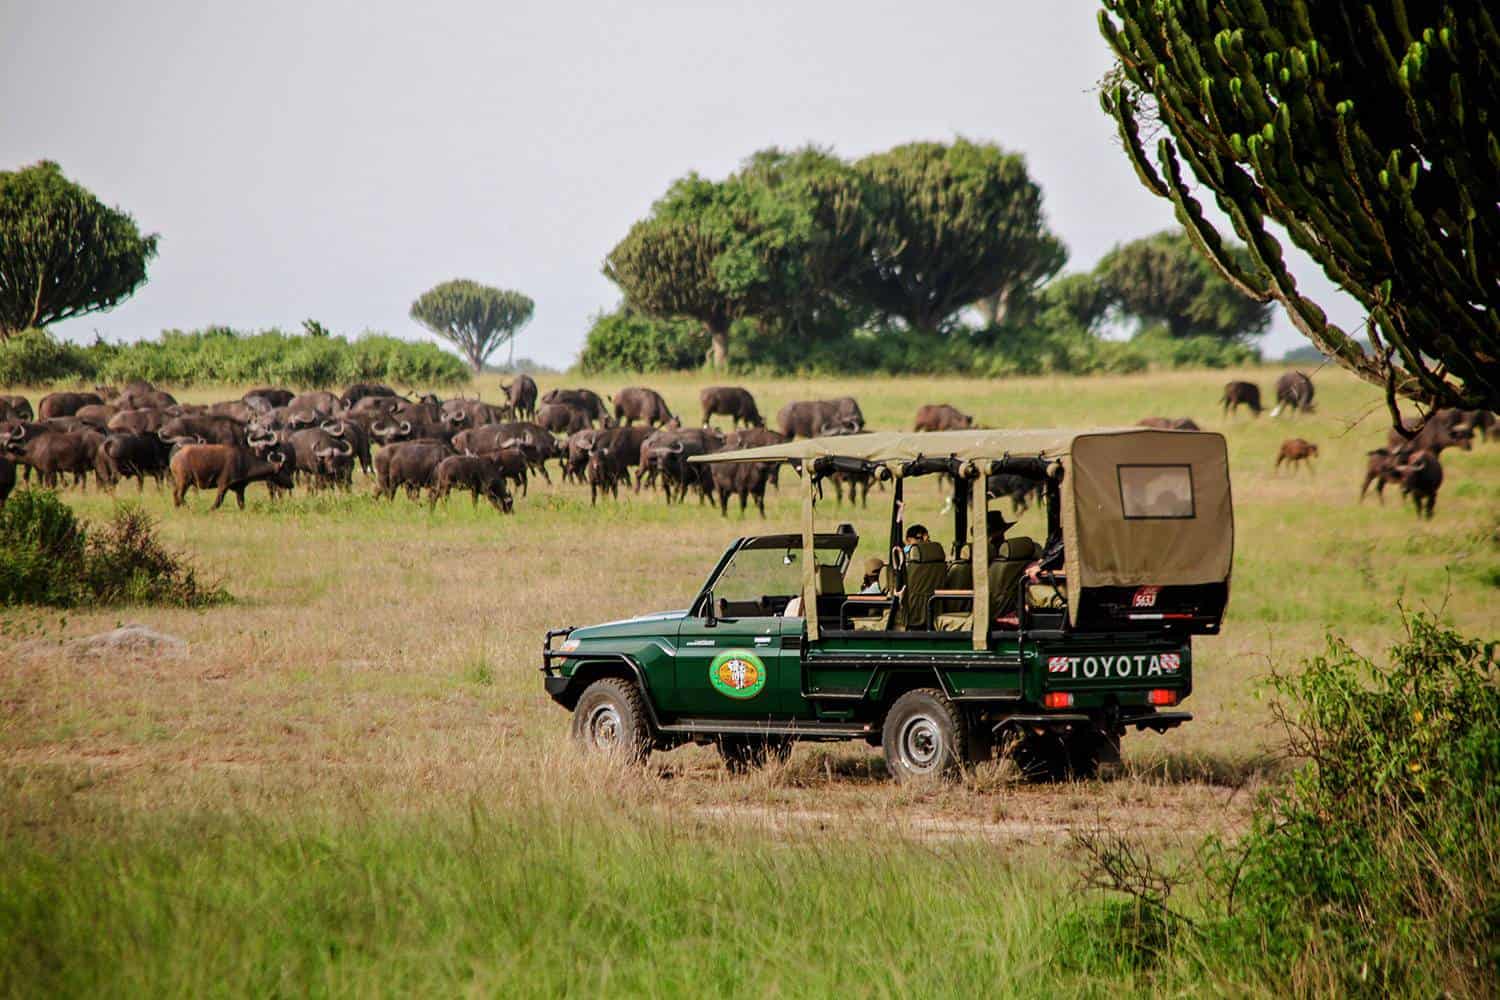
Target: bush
x=628 y=341
x=1165 y=351
x=47 y=556
x=35 y=357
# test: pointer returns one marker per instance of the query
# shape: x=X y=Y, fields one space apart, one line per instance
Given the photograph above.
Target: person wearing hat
x=995 y=526
x=871 y=582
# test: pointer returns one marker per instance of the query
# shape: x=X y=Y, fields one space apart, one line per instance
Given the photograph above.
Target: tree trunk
x=718 y=351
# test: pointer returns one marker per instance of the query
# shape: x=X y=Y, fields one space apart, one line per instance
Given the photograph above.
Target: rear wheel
x=741 y=752
x=610 y=720
x=924 y=736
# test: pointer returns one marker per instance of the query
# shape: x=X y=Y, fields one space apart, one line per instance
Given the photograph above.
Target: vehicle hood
x=652 y=624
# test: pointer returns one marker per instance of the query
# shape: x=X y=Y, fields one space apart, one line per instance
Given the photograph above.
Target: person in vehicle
x=871 y=582
x=915 y=535
x=926 y=567
x=1009 y=560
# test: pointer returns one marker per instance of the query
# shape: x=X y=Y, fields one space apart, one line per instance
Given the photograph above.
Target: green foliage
x=1366 y=133
x=1162 y=279
x=49 y=557
x=63 y=253
x=35 y=357
x=475 y=318
x=1162 y=349
x=953 y=223
x=628 y=341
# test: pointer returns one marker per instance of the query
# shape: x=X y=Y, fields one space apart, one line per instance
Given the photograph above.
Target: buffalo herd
x=632 y=439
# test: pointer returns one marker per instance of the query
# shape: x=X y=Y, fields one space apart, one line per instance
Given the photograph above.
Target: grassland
x=354 y=783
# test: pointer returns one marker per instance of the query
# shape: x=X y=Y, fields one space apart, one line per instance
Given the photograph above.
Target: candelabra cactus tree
x=1367 y=131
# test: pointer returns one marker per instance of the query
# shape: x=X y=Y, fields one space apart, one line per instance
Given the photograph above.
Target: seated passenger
x=1009 y=558
x=926 y=566
x=871 y=582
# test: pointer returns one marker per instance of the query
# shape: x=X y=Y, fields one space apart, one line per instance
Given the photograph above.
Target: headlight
x=568 y=646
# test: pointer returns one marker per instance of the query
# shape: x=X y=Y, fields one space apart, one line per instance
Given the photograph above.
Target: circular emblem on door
x=737 y=673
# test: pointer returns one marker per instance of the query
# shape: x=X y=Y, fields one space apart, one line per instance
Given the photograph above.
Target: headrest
x=830 y=580
x=926 y=552
x=1020 y=548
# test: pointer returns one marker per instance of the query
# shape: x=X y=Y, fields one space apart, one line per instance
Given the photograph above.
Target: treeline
x=927 y=257
x=219 y=355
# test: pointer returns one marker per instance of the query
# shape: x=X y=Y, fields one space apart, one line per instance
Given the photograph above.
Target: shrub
x=47 y=556
x=35 y=357
x=628 y=341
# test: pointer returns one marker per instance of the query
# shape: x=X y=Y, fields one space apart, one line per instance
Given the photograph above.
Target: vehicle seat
x=1010 y=562
x=926 y=568
x=960 y=576
x=830 y=580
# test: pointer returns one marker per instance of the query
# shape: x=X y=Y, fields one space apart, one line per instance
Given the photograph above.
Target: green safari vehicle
x=1049 y=649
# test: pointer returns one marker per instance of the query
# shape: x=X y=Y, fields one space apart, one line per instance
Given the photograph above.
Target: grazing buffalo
x=1421 y=478
x=741 y=479
x=942 y=417
x=15 y=408
x=202 y=430
x=65 y=404
x=586 y=400
x=1237 y=394
x=561 y=418
x=756 y=437
x=1296 y=451
x=408 y=464
x=54 y=454
x=607 y=462
x=1169 y=423
x=730 y=401
x=522 y=392
x=534 y=441
x=1294 y=390
x=512 y=461
x=1021 y=491
x=227 y=468
x=137 y=421
x=126 y=456
x=366 y=390
x=7 y=479
x=273 y=397
x=637 y=402
x=813 y=418
x=480 y=476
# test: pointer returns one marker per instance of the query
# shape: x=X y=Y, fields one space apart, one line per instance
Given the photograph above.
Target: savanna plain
x=353 y=783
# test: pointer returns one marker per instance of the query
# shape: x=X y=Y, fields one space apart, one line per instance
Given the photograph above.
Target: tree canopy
x=63 y=253
x=955 y=223
x=475 y=318
x=1368 y=133
x=1163 y=279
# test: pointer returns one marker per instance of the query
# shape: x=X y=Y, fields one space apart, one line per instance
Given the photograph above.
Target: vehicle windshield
x=756 y=573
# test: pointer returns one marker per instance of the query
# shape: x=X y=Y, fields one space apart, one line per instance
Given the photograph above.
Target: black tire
x=1040 y=757
x=610 y=720
x=741 y=752
x=924 y=736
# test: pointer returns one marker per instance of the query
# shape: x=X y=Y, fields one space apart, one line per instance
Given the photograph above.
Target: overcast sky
x=333 y=160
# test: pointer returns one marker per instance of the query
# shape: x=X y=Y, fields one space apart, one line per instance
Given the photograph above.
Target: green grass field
x=354 y=783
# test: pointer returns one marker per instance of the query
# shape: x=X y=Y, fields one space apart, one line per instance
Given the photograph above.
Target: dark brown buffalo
x=54 y=454
x=272 y=396
x=1021 y=491
x=461 y=413
x=372 y=408
x=1421 y=478
x=742 y=479
x=389 y=432
x=327 y=460
x=730 y=401
x=1237 y=394
x=366 y=390
x=65 y=404
x=576 y=453
x=1481 y=422
x=203 y=430
x=806 y=418
x=96 y=414
x=131 y=456
x=309 y=409
x=236 y=409
x=410 y=465
x=606 y=463
x=664 y=457
x=534 y=441
x=513 y=463
x=560 y=418
x=1294 y=390
x=15 y=408
x=522 y=393
x=137 y=421
x=942 y=417
x=1169 y=423
x=358 y=438
x=1296 y=451
x=587 y=400
x=756 y=437
x=1438 y=433
x=1380 y=469
x=637 y=402
x=480 y=476
x=145 y=399
x=227 y=468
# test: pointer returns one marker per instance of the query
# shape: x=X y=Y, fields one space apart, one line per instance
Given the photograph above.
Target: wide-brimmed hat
x=874 y=565
x=995 y=521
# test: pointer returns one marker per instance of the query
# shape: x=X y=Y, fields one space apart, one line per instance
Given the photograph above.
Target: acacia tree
x=63 y=253
x=955 y=224
x=1162 y=278
x=1368 y=132
x=475 y=318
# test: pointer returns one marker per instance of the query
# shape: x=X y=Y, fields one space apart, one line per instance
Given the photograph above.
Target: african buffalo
x=586 y=400
x=96 y=414
x=54 y=454
x=408 y=464
x=358 y=438
x=310 y=408
x=65 y=404
x=389 y=432
x=1296 y=451
x=1294 y=390
x=730 y=401
x=637 y=402
x=1241 y=393
x=236 y=409
x=227 y=467
x=125 y=455
x=521 y=391
x=1168 y=423
x=941 y=417
x=145 y=399
x=561 y=418
x=664 y=455
x=15 y=408
x=1421 y=478
x=480 y=476
x=202 y=430
x=742 y=479
x=1435 y=435
x=366 y=390
x=137 y=421
x=606 y=464
x=273 y=397
x=810 y=418
x=1380 y=469
x=512 y=461
x=460 y=413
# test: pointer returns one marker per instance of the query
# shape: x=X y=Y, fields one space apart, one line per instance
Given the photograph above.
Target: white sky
x=334 y=160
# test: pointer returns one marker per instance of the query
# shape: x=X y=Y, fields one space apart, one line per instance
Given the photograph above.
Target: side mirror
x=709 y=618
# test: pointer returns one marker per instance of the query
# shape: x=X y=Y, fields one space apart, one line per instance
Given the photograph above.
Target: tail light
x=1161 y=696
x=1058 y=699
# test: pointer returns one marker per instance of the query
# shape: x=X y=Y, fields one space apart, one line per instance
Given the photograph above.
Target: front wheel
x=610 y=720
x=924 y=736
